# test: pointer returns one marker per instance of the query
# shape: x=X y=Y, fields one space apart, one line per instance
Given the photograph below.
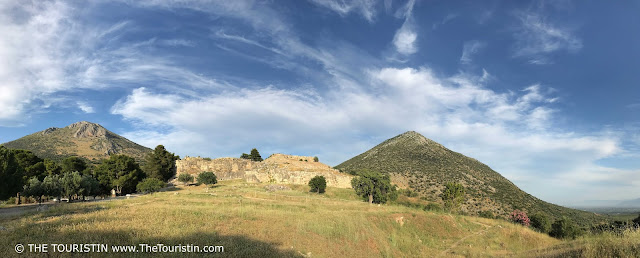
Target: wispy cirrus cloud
x=469 y=49
x=85 y=107
x=366 y=8
x=536 y=37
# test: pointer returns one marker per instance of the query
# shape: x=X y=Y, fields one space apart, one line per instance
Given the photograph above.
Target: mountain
x=83 y=139
x=635 y=203
x=418 y=163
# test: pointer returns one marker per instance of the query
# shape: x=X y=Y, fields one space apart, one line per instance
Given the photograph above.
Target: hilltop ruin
x=278 y=168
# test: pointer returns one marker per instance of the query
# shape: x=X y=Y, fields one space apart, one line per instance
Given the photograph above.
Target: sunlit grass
x=250 y=221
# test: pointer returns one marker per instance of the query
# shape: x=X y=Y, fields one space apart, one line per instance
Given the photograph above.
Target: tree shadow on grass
x=234 y=245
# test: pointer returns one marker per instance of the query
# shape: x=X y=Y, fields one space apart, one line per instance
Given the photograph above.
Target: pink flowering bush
x=520 y=217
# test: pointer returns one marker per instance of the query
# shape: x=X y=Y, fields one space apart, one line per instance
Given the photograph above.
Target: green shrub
x=564 y=228
x=318 y=184
x=207 y=178
x=453 y=196
x=540 y=222
x=486 y=214
x=433 y=207
x=150 y=185
x=315 y=159
x=185 y=178
x=408 y=193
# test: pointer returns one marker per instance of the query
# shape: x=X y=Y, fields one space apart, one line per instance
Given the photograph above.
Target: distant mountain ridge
x=84 y=139
x=425 y=166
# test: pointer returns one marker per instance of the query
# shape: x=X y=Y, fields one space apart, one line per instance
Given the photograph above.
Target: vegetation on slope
x=427 y=166
x=250 y=222
x=84 y=139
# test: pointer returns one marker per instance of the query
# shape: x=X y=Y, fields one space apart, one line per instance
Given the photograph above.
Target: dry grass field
x=249 y=221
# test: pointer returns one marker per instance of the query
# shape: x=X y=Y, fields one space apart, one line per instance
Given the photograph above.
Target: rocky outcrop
x=278 y=168
x=49 y=130
x=87 y=129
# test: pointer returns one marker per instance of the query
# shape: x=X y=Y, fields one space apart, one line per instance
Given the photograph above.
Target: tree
x=160 y=164
x=453 y=196
x=255 y=155
x=71 y=164
x=51 y=167
x=636 y=221
x=245 y=156
x=71 y=183
x=34 y=189
x=89 y=186
x=318 y=184
x=540 y=222
x=52 y=186
x=119 y=172
x=207 y=178
x=11 y=174
x=31 y=164
x=564 y=228
x=374 y=187
x=185 y=178
x=150 y=185
x=315 y=159
x=520 y=217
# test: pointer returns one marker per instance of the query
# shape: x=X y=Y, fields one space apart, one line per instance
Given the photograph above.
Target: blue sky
x=544 y=92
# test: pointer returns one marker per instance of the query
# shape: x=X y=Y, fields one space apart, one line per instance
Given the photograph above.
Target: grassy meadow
x=249 y=221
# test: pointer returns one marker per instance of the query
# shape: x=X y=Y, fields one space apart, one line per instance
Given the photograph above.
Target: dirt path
x=24 y=208
x=479 y=232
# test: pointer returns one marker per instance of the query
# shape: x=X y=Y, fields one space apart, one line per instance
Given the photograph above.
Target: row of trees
x=68 y=184
x=17 y=167
x=22 y=171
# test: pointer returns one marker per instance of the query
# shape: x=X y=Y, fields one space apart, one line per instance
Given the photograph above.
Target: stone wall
x=224 y=168
x=278 y=168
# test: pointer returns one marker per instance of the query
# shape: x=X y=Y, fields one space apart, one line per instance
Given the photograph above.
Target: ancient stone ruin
x=278 y=169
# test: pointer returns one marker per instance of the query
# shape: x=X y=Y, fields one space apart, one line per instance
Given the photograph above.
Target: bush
x=318 y=184
x=564 y=228
x=453 y=196
x=433 y=207
x=315 y=159
x=486 y=214
x=408 y=193
x=185 y=178
x=520 y=217
x=149 y=185
x=207 y=178
x=540 y=222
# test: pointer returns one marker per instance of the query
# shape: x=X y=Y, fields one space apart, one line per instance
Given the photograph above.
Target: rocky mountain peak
x=86 y=129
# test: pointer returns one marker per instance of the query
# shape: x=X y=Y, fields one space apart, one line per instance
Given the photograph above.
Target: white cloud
x=406 y=37
x=367 y=8
x=178 y=43
x=445 y=20
x=85 y=107
x=509 y=131
x=46 y=49
x=536 y=37
x=469 y=49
